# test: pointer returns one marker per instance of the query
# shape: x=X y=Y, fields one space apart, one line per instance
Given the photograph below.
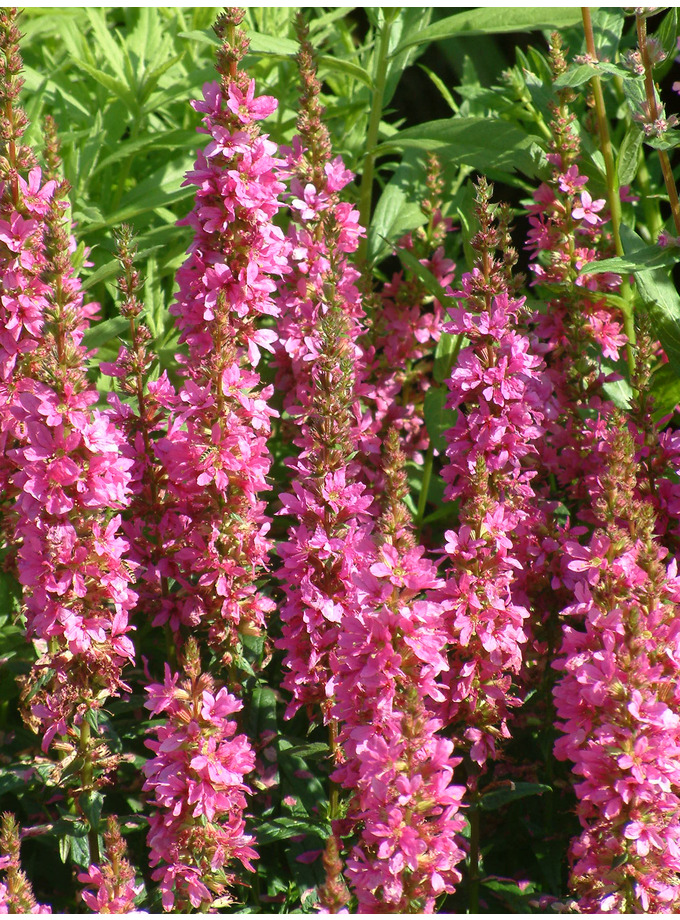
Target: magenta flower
x=588 y=209
x=196 y=778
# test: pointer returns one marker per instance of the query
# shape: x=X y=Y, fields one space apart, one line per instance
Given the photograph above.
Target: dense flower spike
x=151 y=520
x=499 y=384
x=114 y=881
x=71 y=479
x=407 y=327
x=215 y=450
x=580 y=329
x=16 y=894
x=24 y=200
x=396 y=763
x=327 y=503
x=618 y=701
x=196 y=781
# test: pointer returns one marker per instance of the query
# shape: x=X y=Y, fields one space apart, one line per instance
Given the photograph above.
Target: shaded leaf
x=496 y=20
x=497 y=798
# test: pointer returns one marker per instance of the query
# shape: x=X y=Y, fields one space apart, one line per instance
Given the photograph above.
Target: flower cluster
x=70 y=478
x=499 y=383
x=113 y=883
x=16 y=894
x=195 y=781
x=327 y=501
x=617 y=699
x=405 y=330
x=396 y=762
x=215 y=451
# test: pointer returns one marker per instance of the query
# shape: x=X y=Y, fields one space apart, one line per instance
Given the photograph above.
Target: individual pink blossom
x=588 y=209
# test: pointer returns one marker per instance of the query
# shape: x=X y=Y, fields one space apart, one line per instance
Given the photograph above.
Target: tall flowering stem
x=24 y=200
x=215 y=451
x=16 y=894
x=500 y=391
x=327 y=502
x=406 y=328
x=196 y=779
x=110 y=888
x=617 y=699
x=68 y=478
x=581 y=327
x=396 y=763
x=151 y=522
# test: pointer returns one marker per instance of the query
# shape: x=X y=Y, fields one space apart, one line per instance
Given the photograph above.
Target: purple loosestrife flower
x=580 y=327
x=70 y=478
x=618 y=701
x=16 y=894
x=152 y=521
x=24 y=200
x=196 y=779
x=327 y=503
x=406 y=331
x=385 y=681
x=500 y=392
x=215 y=451
x=113 y=881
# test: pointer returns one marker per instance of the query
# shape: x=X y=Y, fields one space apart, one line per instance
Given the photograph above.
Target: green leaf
x=438 y=419
x=272 y=44
x=665 y=388
x=284 y=828
x=619 y=391
x=445 y=354
x=313 y=749
x=487 y=144
x=658 y=292
x=496 y=20
x=498 y=798
x=91 y=803
x=629 y=155
x=98 y=335
x=395 y=214
x=647 y=257
x=667 y=35
x=425 y=276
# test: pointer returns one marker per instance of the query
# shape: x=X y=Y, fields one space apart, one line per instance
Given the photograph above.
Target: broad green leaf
x=665 y=388
x=445 y=355
x=648 y=257
x=487 y=144
x=496 y=20
x=98 y=335
x=273 y=44
x=313 y=749
x=660 y=296
x=629 y=155
x=425 y=276
x=395 y=214
x=91 y=803
x=498 y=798
x=619 y=391
x=117 y=87
x=284 y=828
x=438 y=419
x=667 y=36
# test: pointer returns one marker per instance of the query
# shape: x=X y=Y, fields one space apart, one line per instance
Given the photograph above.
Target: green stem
x=425 y=487
x=86 y=780
x=650 y=205
x=334 y=793
x=653 y=113
x=379 y=81
x=612 y=187
x=474 y=859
